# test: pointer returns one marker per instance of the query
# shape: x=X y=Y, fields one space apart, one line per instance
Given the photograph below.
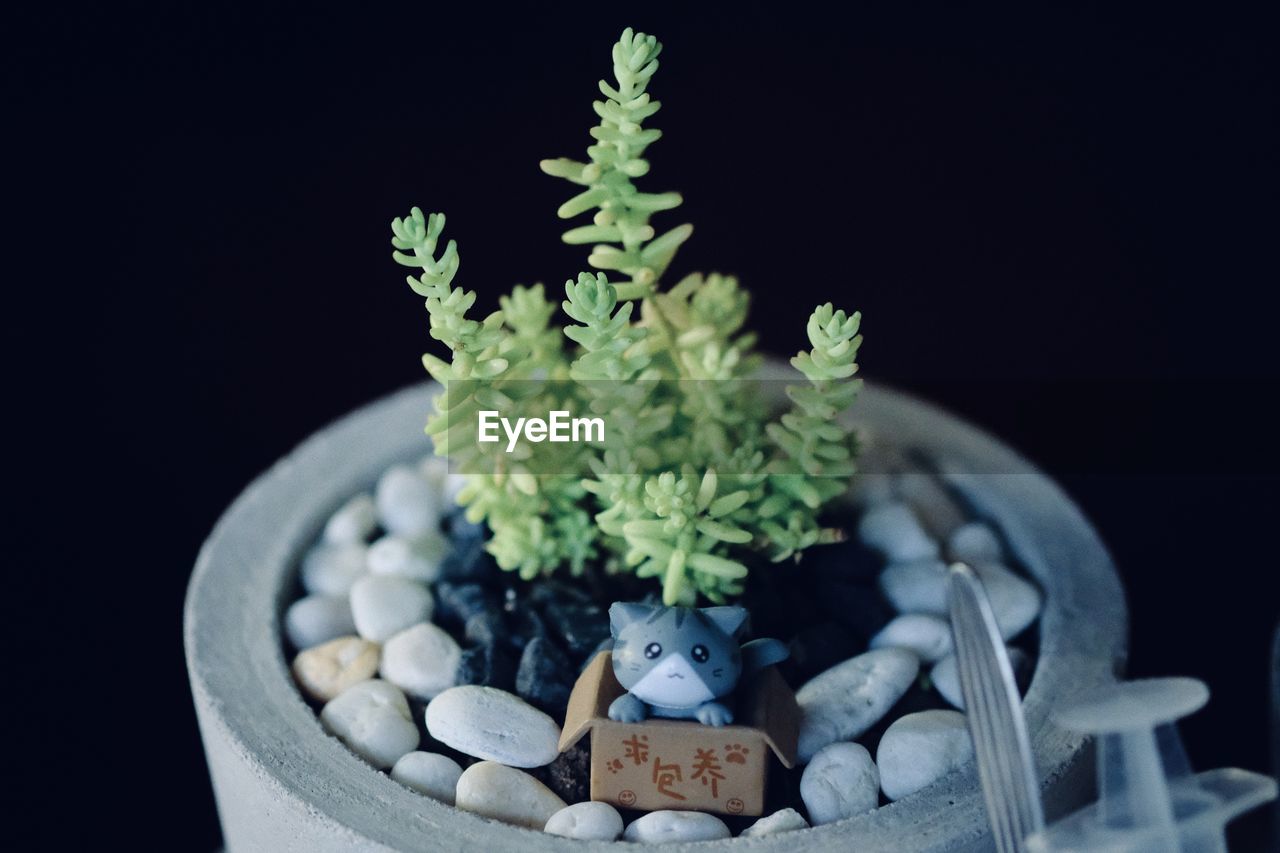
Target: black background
x=1060 y=224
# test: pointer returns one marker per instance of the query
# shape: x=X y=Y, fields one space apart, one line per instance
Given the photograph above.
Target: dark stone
x=552 y=591
x=845 y=562
x=487 y=628
x=816 y=649
x=468 y=561
x=463 y=531
x=458 y=602
x=570 y=774
x=545 y=677
x=510 y=599
x=580 y=626
x=1023 y=665
x=862 y=610
x=782 y=789
x=779 y=599
x=524 y=626
x=490 y=666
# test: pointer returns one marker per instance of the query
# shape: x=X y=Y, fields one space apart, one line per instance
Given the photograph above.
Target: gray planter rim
x=281 y=781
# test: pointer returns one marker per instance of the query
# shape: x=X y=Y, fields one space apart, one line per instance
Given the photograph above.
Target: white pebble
x=495 y=725
x=382 y=606
x=974 y=543
x=446 y=483
x=353 y=522
x=786 y=820
x=416 y=559
x=919 y=586
x=421 y=660
x=333 y=569
x=428 y=773
x=921 y=748
x=935 y=506
x=1014 y=602
x=317 y=619
x=894 y=530
x=871 y=489
x=849 y=698
x=928 y=636
x=407 y=504
x=841 y=781
x=945 y=675
x=373 y=719
x=506 y=794
x=325 y=671
x=586 y=821
x=668 y=826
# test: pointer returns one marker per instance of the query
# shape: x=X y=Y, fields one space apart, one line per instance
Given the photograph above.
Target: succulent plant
x=694 y=474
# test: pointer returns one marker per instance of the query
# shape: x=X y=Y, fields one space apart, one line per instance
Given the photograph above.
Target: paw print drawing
x=736 y=753
x=614 y=765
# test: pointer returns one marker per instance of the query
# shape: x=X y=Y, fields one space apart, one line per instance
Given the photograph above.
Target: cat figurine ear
x=727 y=619
x=622 y=614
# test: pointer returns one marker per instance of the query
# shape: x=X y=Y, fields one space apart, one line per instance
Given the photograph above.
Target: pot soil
x=282 y=782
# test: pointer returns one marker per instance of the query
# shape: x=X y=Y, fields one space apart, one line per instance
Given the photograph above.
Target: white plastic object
x=1148 y=798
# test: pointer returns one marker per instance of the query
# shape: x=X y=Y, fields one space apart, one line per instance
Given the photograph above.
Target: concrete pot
x=283 y=784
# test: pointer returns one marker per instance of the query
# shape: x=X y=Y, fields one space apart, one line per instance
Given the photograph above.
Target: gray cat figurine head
x=676 y=657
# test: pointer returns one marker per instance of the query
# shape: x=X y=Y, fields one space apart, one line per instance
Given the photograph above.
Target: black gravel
x=489 y=666
x=545 y=676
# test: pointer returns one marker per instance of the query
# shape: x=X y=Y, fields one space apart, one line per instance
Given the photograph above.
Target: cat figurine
x=676 y=662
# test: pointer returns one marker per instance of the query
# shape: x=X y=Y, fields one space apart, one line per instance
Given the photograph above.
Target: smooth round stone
x=408 y=505
x=428 y=773
x=327 y=670
x=333 y=569
x=849 y=698
x=1014 y=602
x=373 y=719
x=872 y=489
x=928 y=636
x=416 y=559
x=945 y=675
x=506 y=794
x=354 y=522
x=919 y=586
x=317 y=619
x=933 y=503
x=919 y=749
x=670 y=826
x=422 y=660
x=446 y=483
x=841 y=781
x=586 y=821
x=384 y=606
x=786 y=820
x=494 y=725
x=974 y=543
x=894 y=530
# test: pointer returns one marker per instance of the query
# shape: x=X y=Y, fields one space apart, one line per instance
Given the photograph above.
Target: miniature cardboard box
x=682 y=764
